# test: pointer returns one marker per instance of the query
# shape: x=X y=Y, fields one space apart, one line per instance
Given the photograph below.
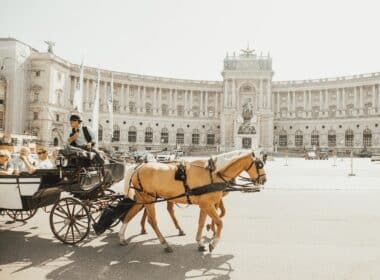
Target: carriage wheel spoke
x=68 y=209
x=60 y=208
x=72 y=232
x=63 y=217
x=76 y=228
x=67 y=232
x=61 y=229
x=73 y=211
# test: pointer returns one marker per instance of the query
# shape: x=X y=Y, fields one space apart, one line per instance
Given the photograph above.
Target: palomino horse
x=157 y=180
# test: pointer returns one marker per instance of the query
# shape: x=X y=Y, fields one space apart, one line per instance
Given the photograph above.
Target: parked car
x=179 y=153
x=323 y=153
x=375 y=157
x=365 y=154
x=143 y=156
x=311 y=155
x=166 y=156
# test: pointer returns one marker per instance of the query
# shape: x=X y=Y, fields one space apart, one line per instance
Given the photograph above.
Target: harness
x=228 y=184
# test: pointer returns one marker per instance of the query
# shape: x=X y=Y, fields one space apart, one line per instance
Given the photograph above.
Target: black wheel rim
x=21 y=215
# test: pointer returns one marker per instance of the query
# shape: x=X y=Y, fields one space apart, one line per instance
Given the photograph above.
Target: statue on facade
x=50 y=44
x=247 y=51
x=247 y=112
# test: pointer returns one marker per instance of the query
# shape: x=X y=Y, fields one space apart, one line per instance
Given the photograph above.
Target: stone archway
x=57 y=136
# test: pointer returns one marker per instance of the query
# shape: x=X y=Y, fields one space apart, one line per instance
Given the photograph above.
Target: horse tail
x=129 y=170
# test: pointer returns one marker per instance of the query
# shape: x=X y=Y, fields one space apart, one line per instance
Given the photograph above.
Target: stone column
x=261 y=99
x=206 y=103
x=155 y=101
x=338 y=99
x=373 y=96
x=288 y=103
x=343 y=98
x=186 y=104
x=191 y=101
x=278 y=102
x=201 y=105
x=310 y=103
x=225 y=91
x=159 y=101
x=139 y=99
x=361 y=98
x=216 y=104
x=378 y=97
x=269 y=95
x=104 y=98
x=233 y=97
x=144 y=99
x=86 y=96
x=126 y=102
x=294 y=101
x=175 y=101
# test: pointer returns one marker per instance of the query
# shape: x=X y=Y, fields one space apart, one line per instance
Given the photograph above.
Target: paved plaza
x=311 y=221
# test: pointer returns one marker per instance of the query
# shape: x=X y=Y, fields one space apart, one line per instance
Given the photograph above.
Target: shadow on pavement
x=138 y=260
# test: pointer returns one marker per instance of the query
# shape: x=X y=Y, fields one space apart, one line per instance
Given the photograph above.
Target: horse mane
x=221 y=161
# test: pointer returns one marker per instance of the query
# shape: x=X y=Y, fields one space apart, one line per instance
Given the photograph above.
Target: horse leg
x=142 y=223
x=201 y=223
x=219 y=205
x=129 y=216
x=211 y=211
x=151 y=211
x=170 y=207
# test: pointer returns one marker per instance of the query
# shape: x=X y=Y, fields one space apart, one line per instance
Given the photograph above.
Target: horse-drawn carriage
x=84 y=176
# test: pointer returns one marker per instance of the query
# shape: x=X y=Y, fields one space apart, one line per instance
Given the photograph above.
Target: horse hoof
x=201 y=248
x=143 y=232
x=211 y=247
x=123 y=243
x=208 y=227
x=181 y=233
x=168 y=249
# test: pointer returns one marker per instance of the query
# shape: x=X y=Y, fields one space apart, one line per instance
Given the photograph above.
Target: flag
x=95 y=111
x=78 y=96
x=110 y=106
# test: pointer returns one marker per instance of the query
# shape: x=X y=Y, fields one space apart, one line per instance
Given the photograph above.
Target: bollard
x=352 y=164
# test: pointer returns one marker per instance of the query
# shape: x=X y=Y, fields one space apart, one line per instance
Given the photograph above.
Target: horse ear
x=253 y=154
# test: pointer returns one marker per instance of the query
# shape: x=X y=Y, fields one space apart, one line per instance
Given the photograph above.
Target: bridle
x=255 y=163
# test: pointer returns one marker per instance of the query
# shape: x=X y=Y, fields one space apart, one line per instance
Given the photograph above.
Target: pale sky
x=189 y=39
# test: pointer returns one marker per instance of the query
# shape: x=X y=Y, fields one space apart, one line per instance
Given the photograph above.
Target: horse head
x=255 y=170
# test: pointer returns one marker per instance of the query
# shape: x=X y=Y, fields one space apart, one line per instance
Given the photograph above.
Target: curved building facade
x=246 y=109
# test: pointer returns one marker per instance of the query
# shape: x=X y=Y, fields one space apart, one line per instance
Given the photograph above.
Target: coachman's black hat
x=75 y=118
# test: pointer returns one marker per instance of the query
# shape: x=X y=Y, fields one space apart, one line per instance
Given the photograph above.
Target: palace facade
x=246 y=109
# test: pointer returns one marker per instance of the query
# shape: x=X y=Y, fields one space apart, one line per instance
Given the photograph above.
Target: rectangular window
x=164 y=137
x=195 y=139
x=331 y=140
x=132 y=136
x=180 y=138
x=210 y=139
x=299 y=140
x=283 y=140
x=35 y=115
x=57 y=117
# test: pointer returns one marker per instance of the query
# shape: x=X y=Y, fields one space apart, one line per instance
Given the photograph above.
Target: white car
x=375 y=157
x=165 y=156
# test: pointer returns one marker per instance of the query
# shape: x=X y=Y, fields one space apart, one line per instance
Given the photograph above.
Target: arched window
x=100 y=133
x=210 y=138
x=180 y=136
x=148 y=135
x=116 y=134
x=180 y=110
x=315 y=138
x=132 y=107
x=283 y=139
x=148 y=109
x=298 y=140
x=195 y=137
x=331 y=138
x=164 y=136
x=367 y=138
x=35 y=131
x=132 y=134
x=349 y=138
x=165 y=109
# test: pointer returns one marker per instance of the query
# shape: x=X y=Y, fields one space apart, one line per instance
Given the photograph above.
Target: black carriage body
x=27 y=192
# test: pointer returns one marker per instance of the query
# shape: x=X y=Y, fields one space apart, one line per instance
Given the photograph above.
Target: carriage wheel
x=21 y=215
x=70 y=220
